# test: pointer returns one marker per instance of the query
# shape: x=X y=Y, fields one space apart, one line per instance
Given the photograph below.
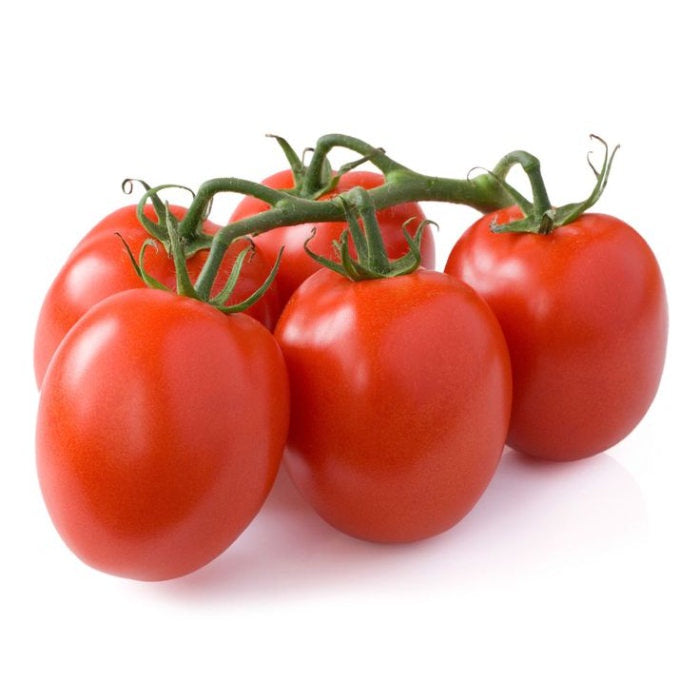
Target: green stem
x=483 y=193
x=531 y=165
x=294 y=211
x=182 y=275
x=540 y=216
x=202 y=200
x=371 y=260
x=377 y=258
x=313 y=180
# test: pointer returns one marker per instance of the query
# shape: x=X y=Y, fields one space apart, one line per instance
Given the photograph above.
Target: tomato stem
x=372 y=261
x=159 y=229
x=202 y=200
x=182 y=275
x=299 y=170
x=539 y=215
x=292 y=210
x=377 y=259
x=326 y=143
x=484 y=193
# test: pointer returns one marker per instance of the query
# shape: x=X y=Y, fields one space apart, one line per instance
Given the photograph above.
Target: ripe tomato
x=583 y=310
x=400 y=393
x=99 y=266
x=296 y=264
x=160 y=431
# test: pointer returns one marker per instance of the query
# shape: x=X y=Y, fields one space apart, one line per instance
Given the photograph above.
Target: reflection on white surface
x=538 y=511
x=533 y=515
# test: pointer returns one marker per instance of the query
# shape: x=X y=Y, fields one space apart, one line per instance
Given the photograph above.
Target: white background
x=566 y=581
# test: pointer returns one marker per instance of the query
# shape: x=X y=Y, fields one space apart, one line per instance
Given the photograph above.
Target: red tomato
x=583 y=310
x=400 y=393
x=99 y=266
x=296 y=264
x=161 y=427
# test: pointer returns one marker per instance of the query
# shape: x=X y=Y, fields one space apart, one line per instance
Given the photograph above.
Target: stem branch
x=326 y=143
x=483 y=193
x=202 y=200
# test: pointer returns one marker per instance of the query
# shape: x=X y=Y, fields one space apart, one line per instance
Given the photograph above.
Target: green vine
x=486 y=192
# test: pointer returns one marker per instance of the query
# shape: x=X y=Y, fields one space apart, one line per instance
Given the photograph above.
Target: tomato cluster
x=386 y=389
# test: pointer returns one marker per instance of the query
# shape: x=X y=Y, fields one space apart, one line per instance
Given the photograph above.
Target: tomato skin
x=584 y=312
x=160 y=431
x=400 y=392
x=296 y=264
x=99 y=266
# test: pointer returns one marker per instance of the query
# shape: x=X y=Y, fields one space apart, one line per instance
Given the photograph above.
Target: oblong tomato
x=99 y=266
x=296 y=265
x=584 y=312
x=400 y=395
x=160 y=431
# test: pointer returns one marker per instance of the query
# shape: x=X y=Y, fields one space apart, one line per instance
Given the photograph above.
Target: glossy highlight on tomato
x=584 y=312
x=99 y=267
x=160 y=431
x=296 y=264
x=400 y=395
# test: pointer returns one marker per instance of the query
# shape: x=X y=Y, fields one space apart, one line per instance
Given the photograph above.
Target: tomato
x=584 y=312
x=296 y=264
x=160 y=431
x=99 y=266
x=400 y=399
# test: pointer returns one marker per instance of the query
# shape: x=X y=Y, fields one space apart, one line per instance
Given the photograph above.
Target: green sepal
x=359 y=237
x=326 y=179
x=225 y=293
x=184 y=283
x=410 y=262
x=158 y=205
x=257 y=294
x=139 y=268
x=359 y=268
x=319 y=179
x=414 y=246
x=571 y=212
x=296 y=164
x=182 y=275
x=320 y=259
x=371 y=261
x=334 y=179
x=159 y=229
x=540 y=217
x=300 y=171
